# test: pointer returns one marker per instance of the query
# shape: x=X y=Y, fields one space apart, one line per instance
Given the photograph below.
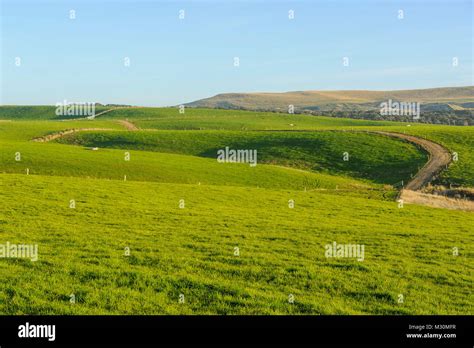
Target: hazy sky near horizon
x=175 y=60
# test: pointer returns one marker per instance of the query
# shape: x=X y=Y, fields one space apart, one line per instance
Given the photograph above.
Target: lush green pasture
x=455 y=138
x=190 y=251
x=63 y=160
x=372 y=157
x=24 y=131
x=201 y=119
x=36 y=112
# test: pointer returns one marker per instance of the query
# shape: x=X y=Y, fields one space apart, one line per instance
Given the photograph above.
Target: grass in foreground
x=190 y=251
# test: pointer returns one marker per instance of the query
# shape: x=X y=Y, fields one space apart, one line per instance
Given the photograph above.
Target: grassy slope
x=192 y=119
x=24 y=131
x=52 y=159
x=81 y=251
x=455 y=138
x=63 y=160
x=380 y=159
x=30 y=112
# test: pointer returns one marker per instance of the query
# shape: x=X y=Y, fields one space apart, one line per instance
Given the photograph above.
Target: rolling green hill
x=372 y=157
x=199 y=119
x=181 y=214
x=31 y=112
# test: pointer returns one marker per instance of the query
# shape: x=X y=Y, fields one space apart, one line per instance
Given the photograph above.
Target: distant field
x=23 y=131
x=190 y=250
x=36 y=113
x=201 y=119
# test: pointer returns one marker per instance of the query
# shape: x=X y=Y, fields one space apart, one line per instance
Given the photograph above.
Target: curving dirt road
x=439 y=158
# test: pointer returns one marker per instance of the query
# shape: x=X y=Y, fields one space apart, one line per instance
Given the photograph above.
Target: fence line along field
x=139 y=217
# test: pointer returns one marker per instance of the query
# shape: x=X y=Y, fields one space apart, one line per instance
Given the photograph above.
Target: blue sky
x=174 y=60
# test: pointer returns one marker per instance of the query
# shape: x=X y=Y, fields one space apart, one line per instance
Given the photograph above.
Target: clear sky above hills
x=175 y=60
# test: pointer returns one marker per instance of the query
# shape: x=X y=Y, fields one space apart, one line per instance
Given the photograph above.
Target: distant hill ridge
x=442 y=99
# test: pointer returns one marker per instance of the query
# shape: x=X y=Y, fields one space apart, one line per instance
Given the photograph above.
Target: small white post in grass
x=124 y=178
x=27 y=171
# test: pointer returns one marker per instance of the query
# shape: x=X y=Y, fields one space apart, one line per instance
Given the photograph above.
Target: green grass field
x=191 y=250
x=37 y=113
x=202 y=119
x=373 y=157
